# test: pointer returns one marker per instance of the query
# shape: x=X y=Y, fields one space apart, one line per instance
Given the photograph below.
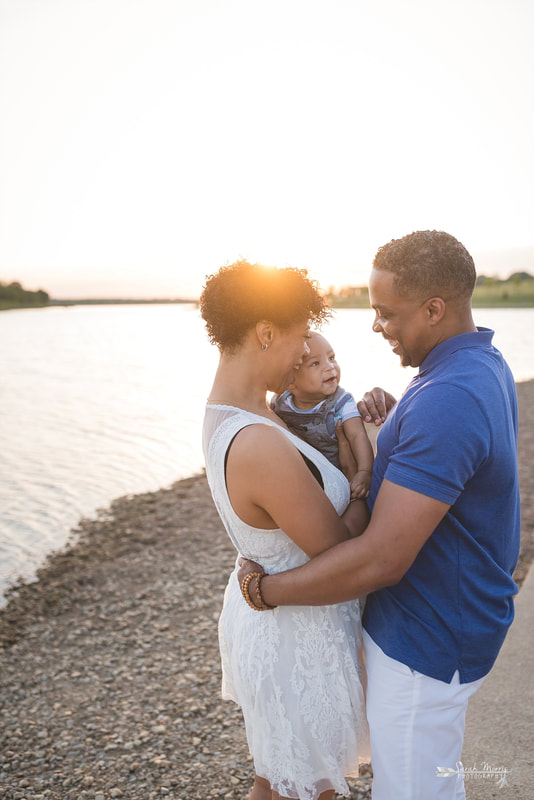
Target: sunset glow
x=143 y=144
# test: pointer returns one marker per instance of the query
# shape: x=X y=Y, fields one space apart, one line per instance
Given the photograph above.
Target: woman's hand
x=246 y=567
x=375 y=405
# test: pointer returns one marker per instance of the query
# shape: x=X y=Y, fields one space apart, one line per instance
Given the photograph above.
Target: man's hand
x=375 y=405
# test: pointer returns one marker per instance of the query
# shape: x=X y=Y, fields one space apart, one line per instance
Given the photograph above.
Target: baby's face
x=318 y=375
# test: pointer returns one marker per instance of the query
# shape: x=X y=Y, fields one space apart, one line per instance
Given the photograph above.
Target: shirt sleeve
x=442 y=439
x=347 y=408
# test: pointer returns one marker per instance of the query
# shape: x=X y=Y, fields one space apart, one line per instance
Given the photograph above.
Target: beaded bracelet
x=245 y=591
x=263 y=604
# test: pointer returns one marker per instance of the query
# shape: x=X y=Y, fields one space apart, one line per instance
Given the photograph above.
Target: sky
x=144 y=143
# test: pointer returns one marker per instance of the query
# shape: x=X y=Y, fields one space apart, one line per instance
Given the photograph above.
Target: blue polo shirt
x=453 y=436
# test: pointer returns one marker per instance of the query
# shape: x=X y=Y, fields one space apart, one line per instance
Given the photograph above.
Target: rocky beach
x=109 y=665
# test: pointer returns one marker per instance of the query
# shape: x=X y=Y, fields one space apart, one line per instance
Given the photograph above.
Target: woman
x=296 y=672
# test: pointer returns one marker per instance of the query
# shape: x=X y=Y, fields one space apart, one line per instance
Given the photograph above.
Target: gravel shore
x=109 y=665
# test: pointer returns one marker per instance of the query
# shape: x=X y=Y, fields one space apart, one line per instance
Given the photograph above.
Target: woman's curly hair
x=239 y=295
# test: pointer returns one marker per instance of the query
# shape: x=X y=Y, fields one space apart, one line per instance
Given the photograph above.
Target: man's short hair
x=429 y=264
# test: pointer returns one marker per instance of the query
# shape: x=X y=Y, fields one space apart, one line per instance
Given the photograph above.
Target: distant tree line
x=515 y=291
x=102 y=301
x=516 y=279
x=12 y=295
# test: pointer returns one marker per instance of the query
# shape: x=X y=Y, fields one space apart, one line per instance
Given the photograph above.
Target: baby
x=313 y=405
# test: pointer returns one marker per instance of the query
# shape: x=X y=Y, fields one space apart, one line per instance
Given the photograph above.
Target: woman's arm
x=401 y=523
x=270 y=487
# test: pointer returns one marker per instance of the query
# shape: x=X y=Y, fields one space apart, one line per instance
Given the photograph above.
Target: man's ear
x=435 y=308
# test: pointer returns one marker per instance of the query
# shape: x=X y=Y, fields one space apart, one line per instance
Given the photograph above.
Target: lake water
x=102 y=401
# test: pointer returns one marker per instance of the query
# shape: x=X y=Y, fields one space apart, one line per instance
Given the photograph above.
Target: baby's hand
x=360 y=484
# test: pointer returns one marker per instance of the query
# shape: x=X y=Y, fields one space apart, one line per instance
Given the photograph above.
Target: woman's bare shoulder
x=267 y=433
x=263 y=442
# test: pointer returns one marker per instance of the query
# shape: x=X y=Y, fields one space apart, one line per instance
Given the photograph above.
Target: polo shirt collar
x=482 y=337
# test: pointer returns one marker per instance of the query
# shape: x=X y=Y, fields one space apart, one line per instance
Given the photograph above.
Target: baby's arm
x=362 y=450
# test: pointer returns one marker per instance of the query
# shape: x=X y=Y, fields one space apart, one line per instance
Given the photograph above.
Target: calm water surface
x=102 y=401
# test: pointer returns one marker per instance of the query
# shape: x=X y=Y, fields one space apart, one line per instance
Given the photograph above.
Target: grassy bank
x=12 y=306
x=517 y=291
x=505 y=295
x=514 y=292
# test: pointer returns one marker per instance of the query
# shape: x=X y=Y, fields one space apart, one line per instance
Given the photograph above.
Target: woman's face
x=288 y=348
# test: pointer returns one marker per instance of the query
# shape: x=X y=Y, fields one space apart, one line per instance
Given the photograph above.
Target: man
x=438 y=554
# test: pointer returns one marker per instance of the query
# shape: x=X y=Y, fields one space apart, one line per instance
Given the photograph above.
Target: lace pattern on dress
x=296 y=672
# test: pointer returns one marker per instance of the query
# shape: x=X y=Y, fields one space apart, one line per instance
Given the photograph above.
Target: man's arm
x=401 y=523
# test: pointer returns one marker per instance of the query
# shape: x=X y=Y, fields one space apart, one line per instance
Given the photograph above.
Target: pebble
x=109 y=662
x=109 y=667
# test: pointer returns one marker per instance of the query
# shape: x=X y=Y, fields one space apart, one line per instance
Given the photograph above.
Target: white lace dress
x=296 y=671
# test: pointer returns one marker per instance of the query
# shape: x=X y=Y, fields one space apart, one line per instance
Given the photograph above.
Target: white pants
x=416 y=724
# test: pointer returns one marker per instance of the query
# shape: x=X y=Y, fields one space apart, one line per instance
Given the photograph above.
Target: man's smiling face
x=402 y=321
